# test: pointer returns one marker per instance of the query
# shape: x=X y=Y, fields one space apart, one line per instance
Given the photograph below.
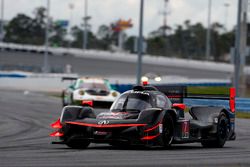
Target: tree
x=19 y=29
x=39 y=25
x=178 y=42
x=57 y=36
x=216 y=41
x=130 y=43
x=27 y=30
x=104 y=34
x=189 y=41
x=198 y=40
x=93 y=42
x=159 y=42
x=156 y=45
x=108 y=37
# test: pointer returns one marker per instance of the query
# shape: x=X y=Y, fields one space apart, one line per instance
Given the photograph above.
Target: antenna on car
x=150 y=88
x=138 y=88
x=142 y=88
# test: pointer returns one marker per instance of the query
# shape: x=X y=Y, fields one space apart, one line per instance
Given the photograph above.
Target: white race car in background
x=89 y=91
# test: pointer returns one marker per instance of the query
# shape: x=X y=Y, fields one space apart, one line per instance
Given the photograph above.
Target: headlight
x=216 y=120
x=114 y=94
x=81 y=92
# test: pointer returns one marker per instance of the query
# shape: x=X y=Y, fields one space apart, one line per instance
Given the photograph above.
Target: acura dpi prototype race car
x=146 y=116
x=88 y=92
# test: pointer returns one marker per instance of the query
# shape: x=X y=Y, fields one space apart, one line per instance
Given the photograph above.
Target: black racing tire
x=168 y=130
x=221 y=135
x=78 y=144
x=63 y=97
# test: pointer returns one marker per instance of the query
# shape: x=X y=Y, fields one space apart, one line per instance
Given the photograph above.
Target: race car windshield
x=93 y=85
x=134 y=102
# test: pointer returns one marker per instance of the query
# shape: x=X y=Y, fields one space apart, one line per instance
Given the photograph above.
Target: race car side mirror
x=180 y=106
x=71 y=87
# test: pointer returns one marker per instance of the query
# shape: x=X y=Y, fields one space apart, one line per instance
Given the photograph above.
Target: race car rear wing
x=177 y=93
x=69 y=78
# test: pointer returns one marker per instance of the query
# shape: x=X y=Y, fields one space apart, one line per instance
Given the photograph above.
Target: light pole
x=71 y=7
x=140 y=44
x=208 y=35
x=85 y=19
x=226 y=14
x=240 y=48
x=237 y=54
x=165 y=14
x=2 y=21
x=46 y=63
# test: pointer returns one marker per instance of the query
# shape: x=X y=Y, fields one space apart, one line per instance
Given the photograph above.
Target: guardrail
x=242 y=104
x=52 y=82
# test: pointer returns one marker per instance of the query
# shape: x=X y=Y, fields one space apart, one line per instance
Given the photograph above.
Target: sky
x=107 y=11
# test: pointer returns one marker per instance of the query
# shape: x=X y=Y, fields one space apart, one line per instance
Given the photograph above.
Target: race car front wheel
x=168 y=131
x=221 y=135
x=64 y=103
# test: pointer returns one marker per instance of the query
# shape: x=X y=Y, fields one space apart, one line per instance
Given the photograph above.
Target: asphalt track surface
x=24 y=141
x=102 y=67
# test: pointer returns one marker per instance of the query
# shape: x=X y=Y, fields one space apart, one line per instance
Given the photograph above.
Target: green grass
x=217 y=90
x=213 y=90
x=238 y=114
x=242 y=115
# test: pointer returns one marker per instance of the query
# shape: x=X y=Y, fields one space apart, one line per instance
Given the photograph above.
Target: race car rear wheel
x=168 y=131
x=221 y=135
x=78 y=144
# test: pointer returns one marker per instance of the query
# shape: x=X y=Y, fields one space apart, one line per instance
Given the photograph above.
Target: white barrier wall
x=126 y=57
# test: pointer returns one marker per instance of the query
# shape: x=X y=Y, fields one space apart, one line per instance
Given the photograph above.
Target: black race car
x=145 y=116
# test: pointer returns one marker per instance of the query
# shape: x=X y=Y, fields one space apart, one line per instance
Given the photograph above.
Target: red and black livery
x=146 y=116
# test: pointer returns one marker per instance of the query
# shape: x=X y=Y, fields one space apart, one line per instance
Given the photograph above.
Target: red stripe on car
x=154 y=127
x=104 y=125
x=150 y=137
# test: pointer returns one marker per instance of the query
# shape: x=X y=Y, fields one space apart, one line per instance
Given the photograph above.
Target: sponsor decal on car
x=103 y=122
x=100 y=133
x=139 y=92
x=160 y=128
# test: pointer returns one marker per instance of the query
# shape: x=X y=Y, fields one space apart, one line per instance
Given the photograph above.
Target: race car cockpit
x=132 y=102
x=140 y=99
